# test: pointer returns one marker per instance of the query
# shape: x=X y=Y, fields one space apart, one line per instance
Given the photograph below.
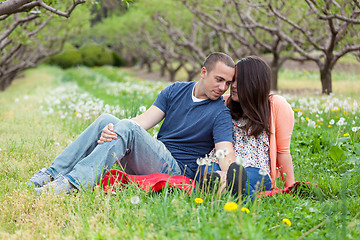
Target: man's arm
x=225 y=162
x=146 y=120
x=149 y=118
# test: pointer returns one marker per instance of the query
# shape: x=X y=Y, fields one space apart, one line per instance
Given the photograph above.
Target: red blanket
x=116 y=180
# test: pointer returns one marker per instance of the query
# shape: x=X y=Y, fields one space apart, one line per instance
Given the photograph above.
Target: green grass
x=32 y=135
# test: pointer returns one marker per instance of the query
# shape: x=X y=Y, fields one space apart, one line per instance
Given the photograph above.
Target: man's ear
x=203 y=72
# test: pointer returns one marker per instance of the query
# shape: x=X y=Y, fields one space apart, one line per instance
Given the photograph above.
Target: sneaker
x=233 y=180
x=58 y=186
x=39 y=179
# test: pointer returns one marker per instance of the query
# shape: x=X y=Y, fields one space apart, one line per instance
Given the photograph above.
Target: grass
x=32 y=135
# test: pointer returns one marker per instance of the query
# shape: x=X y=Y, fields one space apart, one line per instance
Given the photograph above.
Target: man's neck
x=197 y=91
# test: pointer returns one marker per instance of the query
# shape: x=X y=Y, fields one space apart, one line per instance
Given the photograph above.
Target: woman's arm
x=286 y=168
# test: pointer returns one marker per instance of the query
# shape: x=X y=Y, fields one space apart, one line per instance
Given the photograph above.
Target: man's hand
x=107 y=134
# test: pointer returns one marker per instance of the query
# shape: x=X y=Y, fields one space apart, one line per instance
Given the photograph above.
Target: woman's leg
x=256 y=182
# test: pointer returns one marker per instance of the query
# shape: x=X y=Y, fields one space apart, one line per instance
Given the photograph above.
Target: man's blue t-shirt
x=191 y=129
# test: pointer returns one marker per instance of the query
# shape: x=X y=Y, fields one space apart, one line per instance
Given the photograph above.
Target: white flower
x=26 y=97
x=332 y=121
x=220 y=154
x=207 y=161
x=311 y=123
x=142 y=109
x=299 y=114
x=16 y=100
x=239 y=160
x=355 y=129
x=57 y=144
x=262 y=172
x=200 y=161
x=135 y=200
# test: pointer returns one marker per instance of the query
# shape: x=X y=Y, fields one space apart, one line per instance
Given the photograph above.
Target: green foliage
x=96 y=55
x=70 y=57
x=88 y=55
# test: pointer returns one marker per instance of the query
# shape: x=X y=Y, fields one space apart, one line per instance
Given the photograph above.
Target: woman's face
x=234 y=92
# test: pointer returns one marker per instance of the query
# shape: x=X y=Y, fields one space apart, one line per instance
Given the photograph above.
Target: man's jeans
x=85 y=162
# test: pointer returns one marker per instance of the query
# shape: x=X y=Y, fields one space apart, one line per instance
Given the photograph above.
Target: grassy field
x=41 y=113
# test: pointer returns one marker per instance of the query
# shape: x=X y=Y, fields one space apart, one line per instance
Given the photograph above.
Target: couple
x=253 y=125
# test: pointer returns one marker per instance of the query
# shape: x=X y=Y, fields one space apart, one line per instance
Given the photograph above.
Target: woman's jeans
x=85 y=162
x=253 y=183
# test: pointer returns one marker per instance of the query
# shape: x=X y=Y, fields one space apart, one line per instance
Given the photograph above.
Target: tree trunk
x=163 y=69
x=274 y=78
x=191 y=75
x=172 y=74
x=326 y=83
x=149 y=66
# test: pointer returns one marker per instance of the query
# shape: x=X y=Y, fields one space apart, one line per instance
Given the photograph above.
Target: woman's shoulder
x=278 y=101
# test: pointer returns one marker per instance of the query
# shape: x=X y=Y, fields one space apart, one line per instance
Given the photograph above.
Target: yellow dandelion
x=75 y=113
x=345 y=112
x=287 y=221
x=231 y=206
x=329 y=126
x=346 y=135
x=333 y=110
x=198 y=200
x=295 y=109
x=316 y=125
x=244 y=209
x=307 y=118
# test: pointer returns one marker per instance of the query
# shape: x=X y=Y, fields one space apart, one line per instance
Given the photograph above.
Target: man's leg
x=137 y=150
x=81 y=147
x=76 y=151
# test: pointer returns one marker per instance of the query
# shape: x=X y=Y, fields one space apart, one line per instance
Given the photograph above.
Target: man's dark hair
x=215 y=57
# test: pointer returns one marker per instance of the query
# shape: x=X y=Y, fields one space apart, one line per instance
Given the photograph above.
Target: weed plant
x=43 y=112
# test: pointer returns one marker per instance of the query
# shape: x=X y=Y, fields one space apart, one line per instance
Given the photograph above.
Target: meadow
x=46 y=109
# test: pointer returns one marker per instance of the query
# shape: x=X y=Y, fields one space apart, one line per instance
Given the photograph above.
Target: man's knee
x=125 y=125
x=105 y=118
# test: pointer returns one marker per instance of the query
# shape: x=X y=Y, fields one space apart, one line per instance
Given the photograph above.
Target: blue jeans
x=85 y=162
x=256 y=182
x=253 y=182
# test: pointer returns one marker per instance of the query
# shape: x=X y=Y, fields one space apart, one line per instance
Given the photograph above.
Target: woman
x=262 y=128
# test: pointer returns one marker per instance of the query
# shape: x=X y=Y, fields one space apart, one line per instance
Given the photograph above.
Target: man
x=195 y=120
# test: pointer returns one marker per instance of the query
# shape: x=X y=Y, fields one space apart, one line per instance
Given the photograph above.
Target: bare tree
x=23 y=49
x=192 y=47
x=327 y=31
x=247 y=28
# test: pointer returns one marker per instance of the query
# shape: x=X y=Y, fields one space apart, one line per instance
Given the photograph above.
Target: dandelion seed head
x=142 y=109
x=220 y=154
x=135 y=200
x=262 y=172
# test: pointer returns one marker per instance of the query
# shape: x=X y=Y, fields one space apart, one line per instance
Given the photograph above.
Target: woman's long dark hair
x=253 y=78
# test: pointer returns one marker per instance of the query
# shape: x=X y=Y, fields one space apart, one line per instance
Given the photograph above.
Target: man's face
x=217 y=81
